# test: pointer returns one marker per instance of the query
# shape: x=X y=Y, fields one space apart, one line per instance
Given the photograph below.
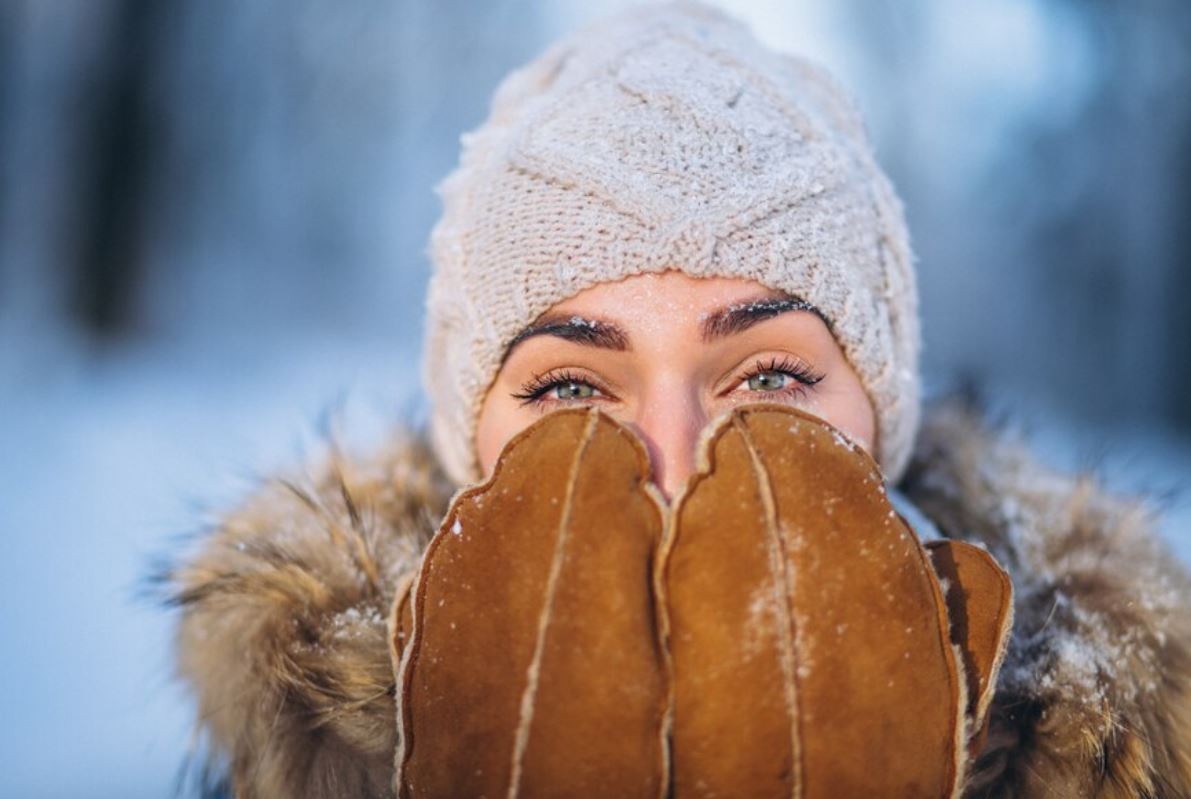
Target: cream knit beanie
x=663 y=138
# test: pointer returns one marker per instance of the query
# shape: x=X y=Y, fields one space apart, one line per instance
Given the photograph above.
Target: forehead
x=641 y=298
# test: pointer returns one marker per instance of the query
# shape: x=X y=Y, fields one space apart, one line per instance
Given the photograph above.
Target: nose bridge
x=670 y=419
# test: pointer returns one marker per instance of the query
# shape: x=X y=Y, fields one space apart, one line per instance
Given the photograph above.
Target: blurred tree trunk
x=115 y=169
x=1179 y=297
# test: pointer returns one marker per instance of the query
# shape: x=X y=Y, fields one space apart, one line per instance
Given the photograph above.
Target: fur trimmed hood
x=283 y=626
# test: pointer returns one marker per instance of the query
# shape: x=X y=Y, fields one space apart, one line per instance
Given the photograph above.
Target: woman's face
x=666 y=353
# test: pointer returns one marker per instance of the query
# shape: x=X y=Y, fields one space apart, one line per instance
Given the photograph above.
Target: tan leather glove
x=810 y=638
x=534 y=665
x=780 y=632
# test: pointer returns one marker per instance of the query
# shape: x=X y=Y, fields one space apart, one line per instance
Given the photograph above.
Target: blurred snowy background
x=212 y=221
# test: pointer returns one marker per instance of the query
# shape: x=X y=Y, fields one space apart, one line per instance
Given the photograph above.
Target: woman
x=664 y=219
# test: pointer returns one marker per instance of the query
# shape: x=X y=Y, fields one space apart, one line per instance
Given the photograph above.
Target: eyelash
x=533 y=391
x=803 y=374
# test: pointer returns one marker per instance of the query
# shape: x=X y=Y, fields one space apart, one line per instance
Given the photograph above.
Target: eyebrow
x=579 y=329
x=740 y=316
x=718 y=324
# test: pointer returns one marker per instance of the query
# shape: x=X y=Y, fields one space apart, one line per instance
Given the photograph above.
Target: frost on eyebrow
x=740 y=316
x=579 y=329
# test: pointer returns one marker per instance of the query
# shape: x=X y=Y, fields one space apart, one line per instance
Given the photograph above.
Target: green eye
x=559 y=386
x=572 y=390
x=769 y=381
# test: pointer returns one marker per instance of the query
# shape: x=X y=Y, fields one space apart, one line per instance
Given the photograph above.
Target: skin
x=640 y=349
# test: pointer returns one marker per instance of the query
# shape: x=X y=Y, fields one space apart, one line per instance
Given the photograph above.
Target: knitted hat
x=667 y=137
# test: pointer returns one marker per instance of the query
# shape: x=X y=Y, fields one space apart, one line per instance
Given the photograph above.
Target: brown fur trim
x=1094 y=698
x=283 y=634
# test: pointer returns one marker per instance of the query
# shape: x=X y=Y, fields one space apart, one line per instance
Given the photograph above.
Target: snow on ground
x=106 y=464
x=103 y=468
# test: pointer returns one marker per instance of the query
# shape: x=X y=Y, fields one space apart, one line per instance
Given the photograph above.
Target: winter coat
x=283 y=632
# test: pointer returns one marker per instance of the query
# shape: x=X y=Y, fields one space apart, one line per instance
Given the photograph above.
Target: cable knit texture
x=667 y=137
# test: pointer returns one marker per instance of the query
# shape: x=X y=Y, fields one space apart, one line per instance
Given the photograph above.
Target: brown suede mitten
x=782 y=632
x=810 y=638
x=532 y=662
x=980 y=609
